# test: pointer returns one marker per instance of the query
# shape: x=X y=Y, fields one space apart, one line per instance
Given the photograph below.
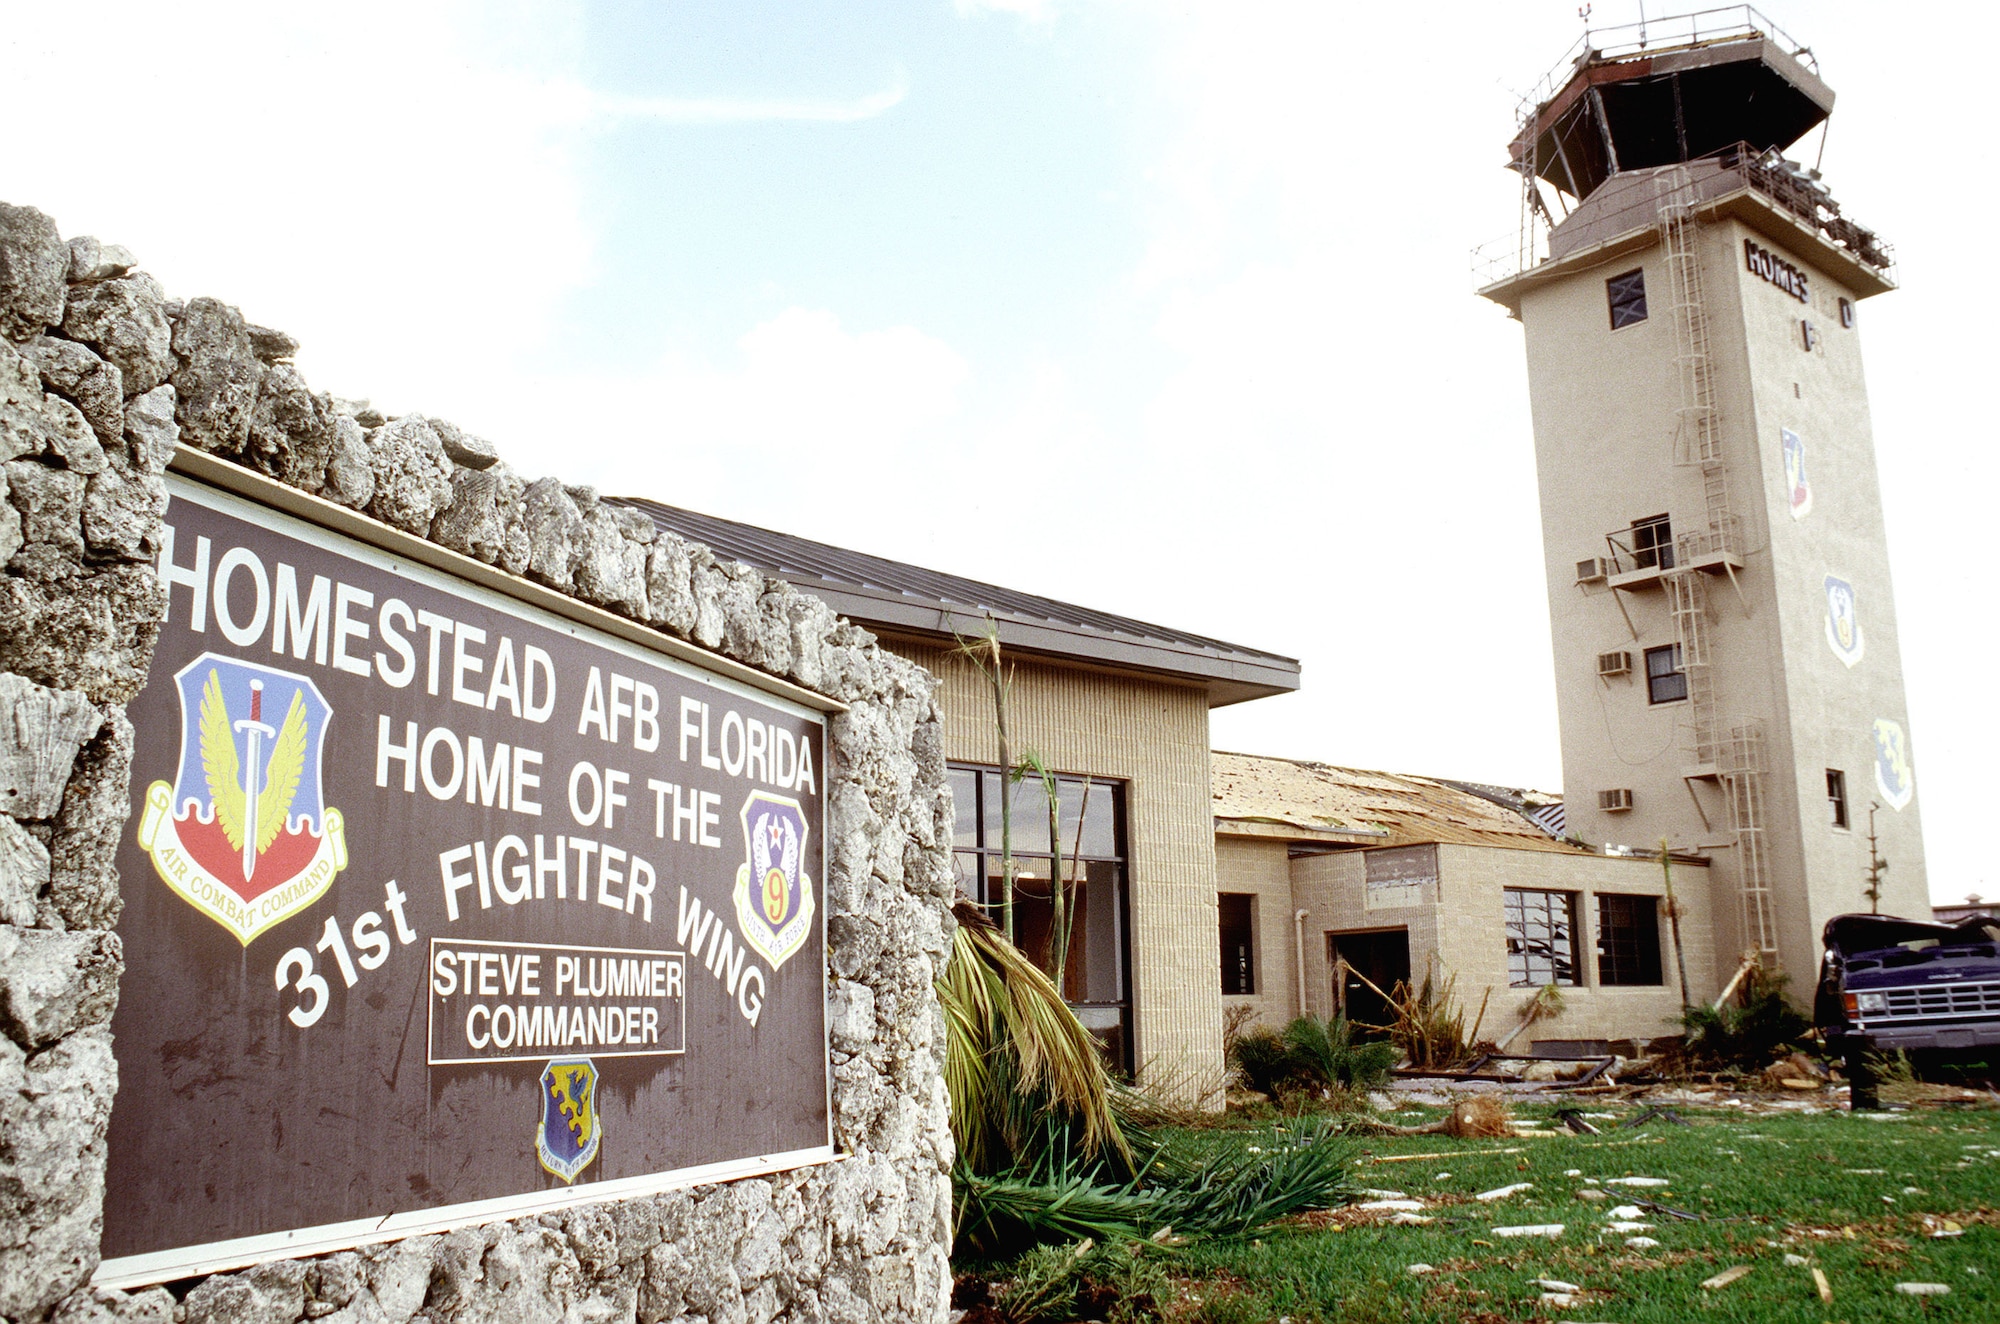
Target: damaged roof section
x=1258 y=796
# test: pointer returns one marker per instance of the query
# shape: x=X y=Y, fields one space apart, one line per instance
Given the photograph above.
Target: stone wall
x=101 y=377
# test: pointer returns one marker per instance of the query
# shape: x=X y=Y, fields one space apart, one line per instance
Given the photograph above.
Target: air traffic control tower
x=1727 y=669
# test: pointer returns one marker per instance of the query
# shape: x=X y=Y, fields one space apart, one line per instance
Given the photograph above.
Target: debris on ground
x=1923 y=1289
x=1531 y=1230
x=1502 y=1192
x=1420 y=1269
x=1825 y=1288
x=1725 y=1278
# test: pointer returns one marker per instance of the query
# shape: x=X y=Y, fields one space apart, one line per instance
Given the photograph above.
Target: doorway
x=1374 y=956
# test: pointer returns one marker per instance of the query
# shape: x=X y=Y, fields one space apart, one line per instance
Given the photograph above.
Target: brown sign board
x=440 y=908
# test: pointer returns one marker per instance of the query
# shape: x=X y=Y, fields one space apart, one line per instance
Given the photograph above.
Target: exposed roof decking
x=1352 y=806
x=896 y=598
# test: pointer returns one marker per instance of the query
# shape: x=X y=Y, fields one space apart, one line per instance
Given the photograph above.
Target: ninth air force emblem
x=242 y=833
x=774 y=894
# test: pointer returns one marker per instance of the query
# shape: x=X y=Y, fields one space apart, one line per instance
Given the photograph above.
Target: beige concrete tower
x=1727 y=670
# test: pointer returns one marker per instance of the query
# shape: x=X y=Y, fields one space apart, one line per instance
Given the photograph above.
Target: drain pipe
x=1299 y=949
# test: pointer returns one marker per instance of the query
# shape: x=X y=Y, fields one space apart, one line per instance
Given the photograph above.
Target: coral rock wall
x=101 y=377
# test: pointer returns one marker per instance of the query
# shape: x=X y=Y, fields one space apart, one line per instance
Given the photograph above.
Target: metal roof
x=894 y=598
x=1305 y=801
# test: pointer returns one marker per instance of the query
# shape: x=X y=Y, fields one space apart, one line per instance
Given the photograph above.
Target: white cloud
x=1037 y=12
x=738 y=110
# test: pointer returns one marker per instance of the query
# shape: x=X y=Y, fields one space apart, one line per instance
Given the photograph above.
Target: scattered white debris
x=1406 y=1206
x=1725 y=1278
x=1887 y=1117
x=1420 y=1269
x=1641 y=1243
x=1636 y=1181
x=1628 y=1225
x=1913 y=1190
x=1939 y=1228
x=1572 y=1172
x=1411 y=1220
x=1795 y=1261
x=1592 y=1194
x=1626 y=1211
x=1590 y=1181
x=1442 y=1176
x=1384 y=1195
x=1865 y=1172
x=1530 y=1230
x=1602 y=1117
x=1560 y=1300
x=1502 y=1192
x=1923 y=1289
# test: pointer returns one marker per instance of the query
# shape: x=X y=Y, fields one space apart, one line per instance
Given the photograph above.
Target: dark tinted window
x=1628 y=298
x=1628 y=939
x=1836 y=796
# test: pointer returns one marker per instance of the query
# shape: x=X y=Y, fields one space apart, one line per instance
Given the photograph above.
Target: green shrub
x=1324 y=1054
x=1263 y=1059
x=1749 y=1035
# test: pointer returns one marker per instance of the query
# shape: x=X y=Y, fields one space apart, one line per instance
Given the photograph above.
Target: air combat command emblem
x=242 y=833
x=774 y=894
x=571 y=1131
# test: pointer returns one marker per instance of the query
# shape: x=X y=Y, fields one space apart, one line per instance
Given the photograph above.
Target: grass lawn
x=1847 y=1193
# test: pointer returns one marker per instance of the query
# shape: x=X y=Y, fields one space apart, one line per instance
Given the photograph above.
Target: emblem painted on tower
x=1843 y=624
x=1800 y=491
x=774 y=894
x=1893 y=775
x=242 y=834
x=571 y=1130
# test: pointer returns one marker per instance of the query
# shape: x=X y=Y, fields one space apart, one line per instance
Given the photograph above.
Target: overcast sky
x=1168 y=314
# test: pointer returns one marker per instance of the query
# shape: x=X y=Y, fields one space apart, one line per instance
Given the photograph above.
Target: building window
x=1628 y=939
x=1653 y=542
x=1096 y=978
x=1836 y=796
x=1628 y=298
x=1239 y=962
x=1665 y=681
x=1541 y=938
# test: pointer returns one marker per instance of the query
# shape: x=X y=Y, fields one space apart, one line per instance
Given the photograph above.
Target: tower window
x=1665 y=681
x=1628 y=298
x=1239 y=964
x=1628 y=939
x=1653 y=542
x=1836 y=796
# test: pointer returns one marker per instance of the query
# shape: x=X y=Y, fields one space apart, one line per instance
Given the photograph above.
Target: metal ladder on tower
x=1738 y=759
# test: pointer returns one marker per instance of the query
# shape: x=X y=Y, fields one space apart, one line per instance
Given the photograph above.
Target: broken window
x=1541 y=938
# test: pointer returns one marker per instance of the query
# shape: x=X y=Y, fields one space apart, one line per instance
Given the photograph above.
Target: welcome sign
x=440 y=908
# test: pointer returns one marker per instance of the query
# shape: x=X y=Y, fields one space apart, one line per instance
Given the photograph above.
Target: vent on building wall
x=1614 y=664
x=1615 y=801
x=1592 y=569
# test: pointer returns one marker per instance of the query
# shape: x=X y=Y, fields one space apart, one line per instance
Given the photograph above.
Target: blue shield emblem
x=1843 y=625
x=774 y=894
x=242 y=834
x=571 y=1131
x=1893 y=774
x=1800 y=491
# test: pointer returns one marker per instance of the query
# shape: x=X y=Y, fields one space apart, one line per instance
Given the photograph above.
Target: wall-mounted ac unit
x=1592 y=569
x=1612 y=802
x=1614 y=664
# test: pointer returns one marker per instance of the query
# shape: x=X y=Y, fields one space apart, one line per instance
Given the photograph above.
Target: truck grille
x=1942 y=1000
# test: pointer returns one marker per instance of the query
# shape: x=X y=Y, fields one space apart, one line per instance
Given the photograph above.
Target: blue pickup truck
x=1889 y=984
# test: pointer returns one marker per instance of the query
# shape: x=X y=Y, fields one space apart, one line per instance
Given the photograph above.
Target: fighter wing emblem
x=282 y=773
x=219 y=763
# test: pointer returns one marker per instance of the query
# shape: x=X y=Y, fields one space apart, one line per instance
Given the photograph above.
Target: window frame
x=1531 y=903
x=1629 y=961
x=971 y=866
x=1653 y=542
x=1836 y=798
x=1617 y=307
x=1676 y=671
x=1245 y=966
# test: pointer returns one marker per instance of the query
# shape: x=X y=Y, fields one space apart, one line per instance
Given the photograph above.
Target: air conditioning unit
x=1612 y=802
x=1592 y=570
x=1614 y=664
